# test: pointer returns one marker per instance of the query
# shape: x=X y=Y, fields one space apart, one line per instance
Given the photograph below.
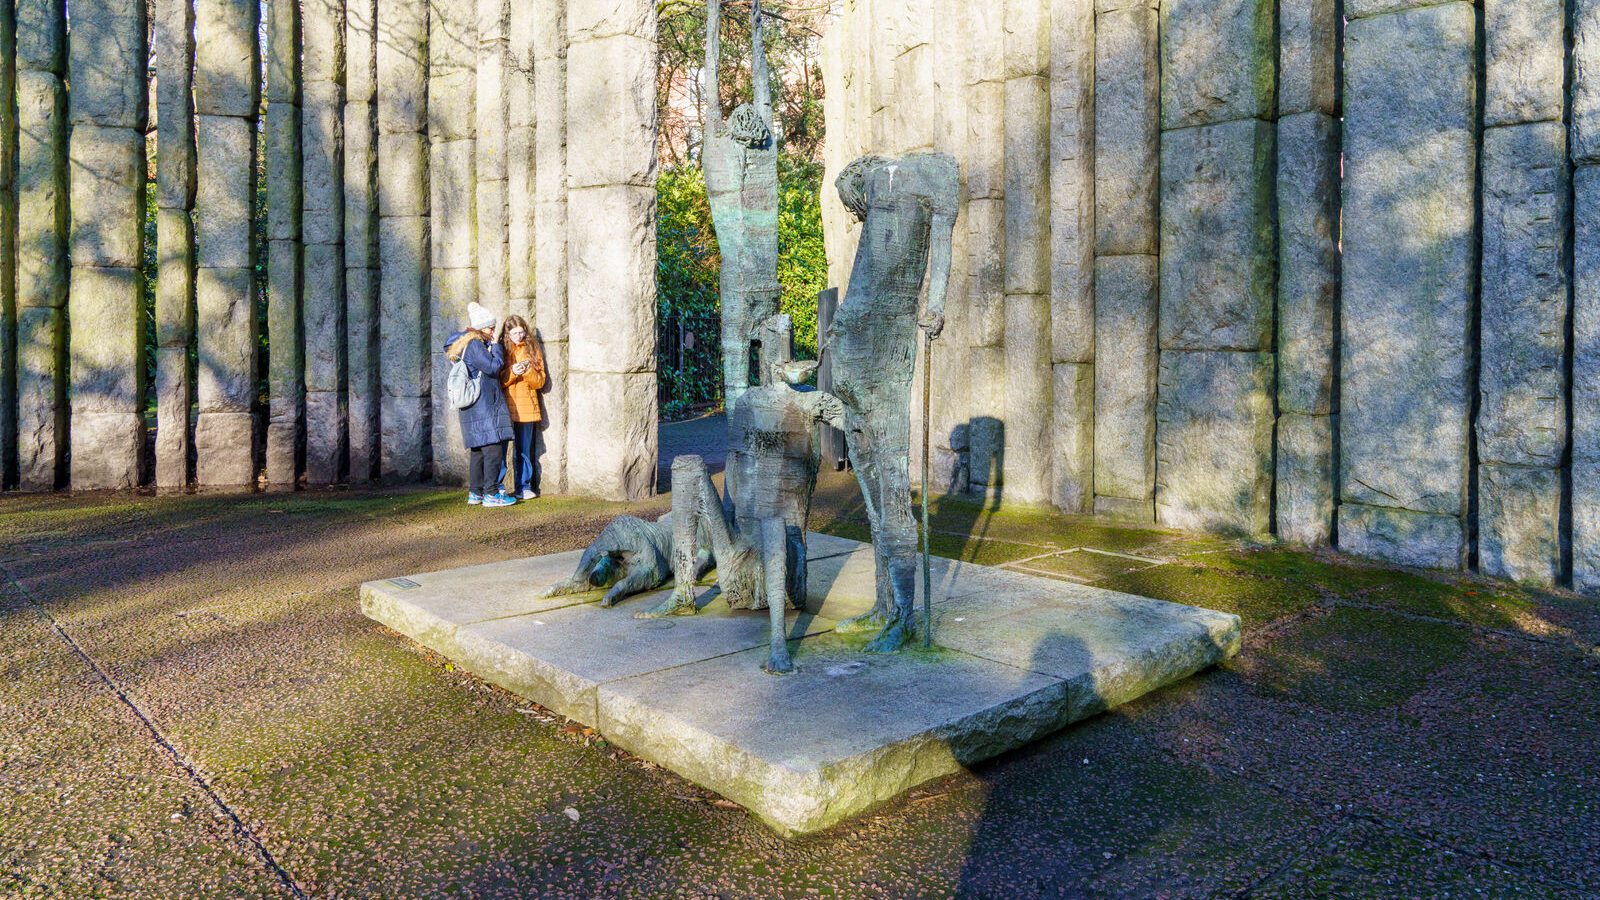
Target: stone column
x=1585 y=374
x=285 y=381
x=1214 y=416
x=550 y=228
x=1125 y=385
x=491 y=98
x=1028 y=335
x=611 y=208
x=877 y=62
x=1308 y=268
x=984 y=222
x=361 y=237
x=1127 y=120
x=952 y=399
x=1522 y=411
x=1072 y=254
x=1408 y=282
x=41 y=251
x=906 y=32
x=227 y=94
x=520 y=170
x=402 y=98
x=452 y=184
x=845 y=108
x=839 y=114
x=1585 y=476
x=8 y=252
x=109 y=112
x=322 y=229
x=175 y=174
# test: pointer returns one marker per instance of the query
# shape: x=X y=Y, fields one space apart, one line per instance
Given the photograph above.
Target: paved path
x=191 y=705
x=706 y=435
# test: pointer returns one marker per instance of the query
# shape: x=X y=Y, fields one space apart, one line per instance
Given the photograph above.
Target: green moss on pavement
x=1354 y=660
x=1259 y=601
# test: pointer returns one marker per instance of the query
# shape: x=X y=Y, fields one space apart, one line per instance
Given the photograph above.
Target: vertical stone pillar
x=845 y=108
x=520 y=189
x=909 y=126
x=109 y=111
x=984 y=223
x=1072 y=254
x=550 y=227
x=878 y=68
x=285 y=379
x=452 y=185
x=952 y=398
x=226 y=96
x=1585 y=477
x=1308 y=269
x=1522 y=411
x=1585 y=153
x=1408 y=282
x=322 y=230
x=493 y=45
x=361 y=237
x=175 y=173
x=8 y=238
x=1125 y=386
x=1214 y=416
x=836 y=111
x=402 y=98
x=1028 y=336
x=1026 y=197
x=611 y=208
x=1585 y=131
x=41 y=245
x=1127 y=121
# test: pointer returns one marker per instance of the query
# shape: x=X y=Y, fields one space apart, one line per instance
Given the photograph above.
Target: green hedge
x=688 y=264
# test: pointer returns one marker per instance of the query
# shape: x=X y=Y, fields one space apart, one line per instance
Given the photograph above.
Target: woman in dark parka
x=486 y=424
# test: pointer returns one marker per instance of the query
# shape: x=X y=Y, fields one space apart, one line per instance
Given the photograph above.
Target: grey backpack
x=463 y=387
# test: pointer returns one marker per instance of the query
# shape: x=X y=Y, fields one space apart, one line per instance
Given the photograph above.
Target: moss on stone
x=1342 y=579
x=1258 y=601
x=1472 y=602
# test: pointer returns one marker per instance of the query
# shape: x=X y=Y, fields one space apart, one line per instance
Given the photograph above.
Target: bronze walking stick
x=927 y=576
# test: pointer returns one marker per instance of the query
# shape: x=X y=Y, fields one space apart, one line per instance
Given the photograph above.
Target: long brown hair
x=512 y=324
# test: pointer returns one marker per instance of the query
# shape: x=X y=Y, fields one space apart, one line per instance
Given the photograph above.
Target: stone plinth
x=1018 y=657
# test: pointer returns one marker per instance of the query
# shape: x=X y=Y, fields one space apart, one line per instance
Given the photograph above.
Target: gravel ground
x=191 y=705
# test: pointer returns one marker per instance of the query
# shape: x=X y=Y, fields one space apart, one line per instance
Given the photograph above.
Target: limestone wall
x=414 y=159
x=1271 y=267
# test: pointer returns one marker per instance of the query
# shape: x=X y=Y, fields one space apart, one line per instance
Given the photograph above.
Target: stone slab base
x=1017 y=657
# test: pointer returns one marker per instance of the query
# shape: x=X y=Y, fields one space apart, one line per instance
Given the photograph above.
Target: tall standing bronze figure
x=740 y=158
x=908 y=208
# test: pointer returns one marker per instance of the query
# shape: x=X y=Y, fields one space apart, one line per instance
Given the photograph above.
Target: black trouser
x=487 y=464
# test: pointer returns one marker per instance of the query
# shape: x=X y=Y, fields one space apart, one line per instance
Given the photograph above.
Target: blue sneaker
x=500 y=498
x=474 y=499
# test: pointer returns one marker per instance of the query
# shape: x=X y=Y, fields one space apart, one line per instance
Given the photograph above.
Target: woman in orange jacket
x=522 y=377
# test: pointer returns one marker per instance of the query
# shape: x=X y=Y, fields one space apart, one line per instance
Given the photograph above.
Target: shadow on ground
x=1383 y=732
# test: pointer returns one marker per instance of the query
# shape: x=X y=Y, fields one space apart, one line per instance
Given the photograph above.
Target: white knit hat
x=479 y=316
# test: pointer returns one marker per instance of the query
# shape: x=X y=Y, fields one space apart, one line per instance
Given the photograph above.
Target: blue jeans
x=525 y=444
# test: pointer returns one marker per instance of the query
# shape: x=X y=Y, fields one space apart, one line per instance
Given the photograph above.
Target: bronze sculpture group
x=754 y=536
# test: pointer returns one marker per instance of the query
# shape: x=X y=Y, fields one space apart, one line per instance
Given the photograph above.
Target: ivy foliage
x=689 y=265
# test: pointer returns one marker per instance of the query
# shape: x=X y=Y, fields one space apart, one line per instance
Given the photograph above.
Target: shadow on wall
x=979 y=478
